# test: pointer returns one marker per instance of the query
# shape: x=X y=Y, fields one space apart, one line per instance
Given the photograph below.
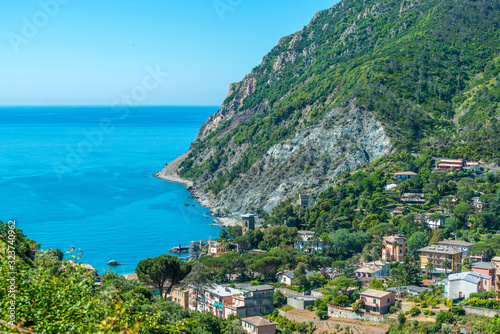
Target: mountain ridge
x=403 y=67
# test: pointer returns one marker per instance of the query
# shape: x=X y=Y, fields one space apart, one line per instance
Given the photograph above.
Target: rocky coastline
x=168 y=173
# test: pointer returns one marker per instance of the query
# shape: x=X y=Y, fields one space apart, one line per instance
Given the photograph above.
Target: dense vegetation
x=350 y=217
x=428 y=70
x=357 y=203
x=53 y=295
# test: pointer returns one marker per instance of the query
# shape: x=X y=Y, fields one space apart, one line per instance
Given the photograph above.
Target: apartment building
x=446 y=259
x=251 y=301
x=180 y=296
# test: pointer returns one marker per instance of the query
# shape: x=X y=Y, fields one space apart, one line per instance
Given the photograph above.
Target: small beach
x=168 y=174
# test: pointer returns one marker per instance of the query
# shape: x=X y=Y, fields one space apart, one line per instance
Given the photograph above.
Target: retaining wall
x=481 y=311
x=339 y=312
x=296 y=293
x=326 y=325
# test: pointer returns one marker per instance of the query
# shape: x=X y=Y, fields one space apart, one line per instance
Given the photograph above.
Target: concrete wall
x=288 y=292
x=330 y=325
x=300 y=302
x=481 y=311
x=347 y=314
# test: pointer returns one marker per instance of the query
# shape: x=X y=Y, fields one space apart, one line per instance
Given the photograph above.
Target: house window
x=388 y=300
x=374 y=301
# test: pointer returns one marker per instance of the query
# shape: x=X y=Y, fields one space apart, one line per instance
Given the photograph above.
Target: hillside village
x=363 y=256
x=429 y=251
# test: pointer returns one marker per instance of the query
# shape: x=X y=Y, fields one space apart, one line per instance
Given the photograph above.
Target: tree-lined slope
x=363 y=79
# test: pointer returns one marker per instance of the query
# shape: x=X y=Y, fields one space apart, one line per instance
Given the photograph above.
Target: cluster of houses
x=445 y=258
x=249 y=302
x=457 y=164
x=446 y=203
x=307 y=241
x=484 y=276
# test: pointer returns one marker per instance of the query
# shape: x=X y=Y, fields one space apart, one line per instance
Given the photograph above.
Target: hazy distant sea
x=81 y=176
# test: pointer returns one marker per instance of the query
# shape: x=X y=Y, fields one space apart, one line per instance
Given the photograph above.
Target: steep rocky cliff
x=363 y=79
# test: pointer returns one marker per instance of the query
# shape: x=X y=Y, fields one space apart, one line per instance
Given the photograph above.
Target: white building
x=461 y=285
x=285 y=277
x=308 y=243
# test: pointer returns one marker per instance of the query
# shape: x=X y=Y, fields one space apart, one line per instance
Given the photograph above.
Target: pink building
x=259 y=325
x=377 y=301
x=212 y=299
x=487 y=269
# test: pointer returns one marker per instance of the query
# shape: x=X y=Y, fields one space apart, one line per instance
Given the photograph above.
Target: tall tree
x=266 y=266
x=417 y=240
x=429 y=268
x=406 y=274
x=162 y=272
x=437 y=236
x=461 y=212
x=299 y=274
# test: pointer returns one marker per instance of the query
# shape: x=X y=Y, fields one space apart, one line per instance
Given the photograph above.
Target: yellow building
x=395 y=248
x=446 y=259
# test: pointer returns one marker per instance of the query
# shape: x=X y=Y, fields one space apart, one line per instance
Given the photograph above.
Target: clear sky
x=92 y=52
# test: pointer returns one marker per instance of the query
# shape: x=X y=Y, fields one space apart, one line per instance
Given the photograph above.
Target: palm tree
x=429 y=268
x=446 y=264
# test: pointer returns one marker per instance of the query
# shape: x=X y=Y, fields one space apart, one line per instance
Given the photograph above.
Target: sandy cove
x=168 y=174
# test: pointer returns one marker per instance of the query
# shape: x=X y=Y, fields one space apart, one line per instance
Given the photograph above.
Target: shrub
x=144 y=291
x=414 y=311
x=458 y=310
x=322 y=314
x=310 y=307
x=444 y=317
x=253 y=283
x=424 y=304
x=401 y=319
x=393 y=309
x=357 y=306
x=446 y=329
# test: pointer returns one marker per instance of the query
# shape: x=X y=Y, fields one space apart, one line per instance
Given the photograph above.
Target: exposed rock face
x=241 y=90
x=344 y=139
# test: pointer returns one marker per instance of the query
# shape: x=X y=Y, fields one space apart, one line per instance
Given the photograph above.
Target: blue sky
x=90 y=52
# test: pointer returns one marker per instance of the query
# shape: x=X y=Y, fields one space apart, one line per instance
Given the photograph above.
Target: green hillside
x=428 y=70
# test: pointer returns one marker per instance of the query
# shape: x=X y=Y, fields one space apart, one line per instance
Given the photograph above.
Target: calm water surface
x=81 y=176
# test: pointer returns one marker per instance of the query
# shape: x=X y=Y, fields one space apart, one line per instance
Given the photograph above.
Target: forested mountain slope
x=363 y=79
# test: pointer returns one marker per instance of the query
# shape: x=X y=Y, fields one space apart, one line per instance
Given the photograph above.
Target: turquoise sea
x=82 y=177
